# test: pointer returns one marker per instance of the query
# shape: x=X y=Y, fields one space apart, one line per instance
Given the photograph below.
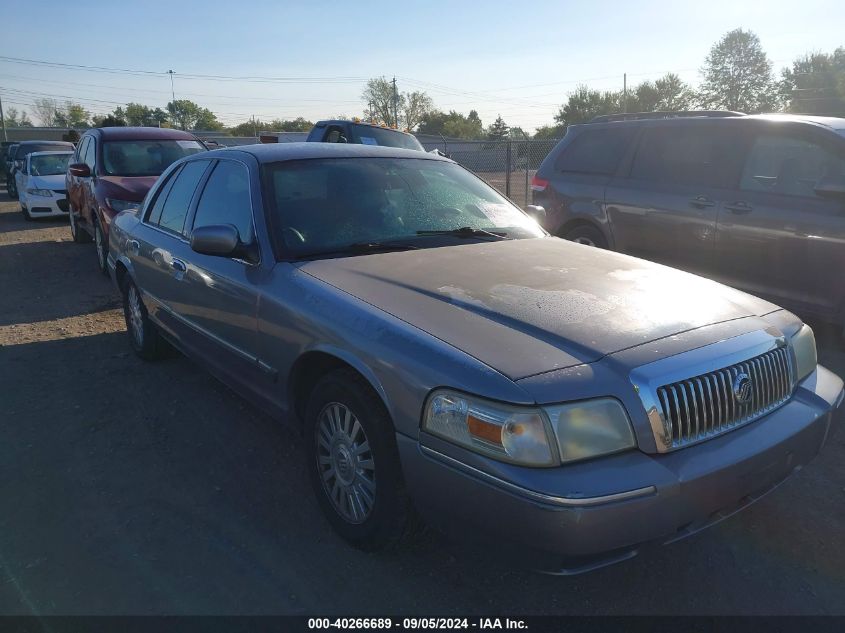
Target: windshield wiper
x=467 y=231
x=362 y=248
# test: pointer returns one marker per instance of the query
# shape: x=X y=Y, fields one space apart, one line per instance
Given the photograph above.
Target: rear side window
x=596 y=151
x=789 y=166
x=178 y=201
x=687 y=155
x=226 y=199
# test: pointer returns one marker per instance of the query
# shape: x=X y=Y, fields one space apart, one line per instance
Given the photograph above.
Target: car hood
x=132 y=188
x=47 y=182
x=526 y=307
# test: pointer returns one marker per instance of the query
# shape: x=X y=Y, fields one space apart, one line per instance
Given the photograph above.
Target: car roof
x=51 y=153
x=57 y=143
x=834 y=123
x=274 y=152
x=142 y=133
x=367 y=123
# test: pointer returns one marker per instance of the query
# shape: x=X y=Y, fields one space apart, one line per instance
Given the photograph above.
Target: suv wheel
x=101 y=248
x=587 y=235
x=79 y=235
x=144 y=337
x=354 y=463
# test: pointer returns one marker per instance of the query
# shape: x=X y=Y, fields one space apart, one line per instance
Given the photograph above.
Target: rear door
x=776 y=237
x=665 y=208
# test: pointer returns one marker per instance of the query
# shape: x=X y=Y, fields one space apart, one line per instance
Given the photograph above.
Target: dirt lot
x=135 y=488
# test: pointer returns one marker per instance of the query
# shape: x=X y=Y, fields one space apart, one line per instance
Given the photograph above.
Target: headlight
x=520 y=435
x=804 y=348
x=46 y=193
x=542 y=436
x=122 y=205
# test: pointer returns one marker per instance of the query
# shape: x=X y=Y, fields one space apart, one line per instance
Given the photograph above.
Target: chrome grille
x=705 y=406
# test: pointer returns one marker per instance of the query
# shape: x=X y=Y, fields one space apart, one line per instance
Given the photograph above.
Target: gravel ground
x=136 y=488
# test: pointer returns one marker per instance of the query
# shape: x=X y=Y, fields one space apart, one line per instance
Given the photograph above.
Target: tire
x=26 y=214
x=354 y=462
x=101 y=248
x=79 y=235
x=12 y=188
x=144 y=337
x=588 y=235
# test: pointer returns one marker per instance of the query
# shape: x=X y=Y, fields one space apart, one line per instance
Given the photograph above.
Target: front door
x=665 y=208
x=776 y=237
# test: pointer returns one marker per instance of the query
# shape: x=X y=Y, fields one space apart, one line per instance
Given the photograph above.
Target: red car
x=112 y=170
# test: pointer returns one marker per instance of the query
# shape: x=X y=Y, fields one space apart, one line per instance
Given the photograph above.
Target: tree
x=416 y=105
x=184 y=113
x=451 y=125
x=17 y=119
x=137 y=114
x=72 y=115
x=738 y=75
x=815 y=84
x=45 y=111
x=517 y=133
x=584 y=104
x=110 y=120
x=207 y=120
x=549 y=132
x=378 y=95
x=669 y=93
x=499 y=130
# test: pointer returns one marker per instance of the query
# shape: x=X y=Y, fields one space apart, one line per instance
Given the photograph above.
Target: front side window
x=226 y=200
x=326 y=205
x=145 y=158
x=178 y=201
x=687 y=155
x=788 y=165
x=596 y=151
x=90 y=153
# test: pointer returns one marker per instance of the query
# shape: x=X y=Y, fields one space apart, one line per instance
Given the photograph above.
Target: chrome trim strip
x=532 y=494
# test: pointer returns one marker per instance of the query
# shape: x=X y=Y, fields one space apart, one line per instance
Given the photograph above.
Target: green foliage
x=452 y=125
x=499 y=130
x=187 y=115
x=669 y=93
x=815 y=84
x=14 y=118
x=584 y=104
x=738 y=75
x=253 y=128
x=72 y=115
x=108 y=121
x=139 y=115
x=549 y=131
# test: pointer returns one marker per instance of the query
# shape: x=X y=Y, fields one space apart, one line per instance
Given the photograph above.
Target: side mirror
x=222 y=240
x=831 y=187
x=80 y=170
x=537 y=212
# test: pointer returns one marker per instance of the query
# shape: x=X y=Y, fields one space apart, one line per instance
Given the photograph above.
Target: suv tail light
x=538 y=184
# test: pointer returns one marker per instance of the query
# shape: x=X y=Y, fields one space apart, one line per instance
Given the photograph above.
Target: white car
x=41 y=184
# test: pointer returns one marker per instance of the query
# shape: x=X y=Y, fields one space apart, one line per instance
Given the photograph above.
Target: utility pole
x=172 y=90
x=3 y=120
x=254 y=129
x=395 y=106
x=624 y=93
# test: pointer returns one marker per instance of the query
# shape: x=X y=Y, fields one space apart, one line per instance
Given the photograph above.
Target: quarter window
x=596 y=151
x=90 y=153
x=701 y=155
x=226 y=200
x=787 y=165
x=178 y=201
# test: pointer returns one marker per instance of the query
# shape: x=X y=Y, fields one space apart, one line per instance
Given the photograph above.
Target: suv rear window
x=595 y=151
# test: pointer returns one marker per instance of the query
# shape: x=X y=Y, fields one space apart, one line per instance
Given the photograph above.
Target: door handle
x=702 y=202
x=739 y=207
x=178 y=265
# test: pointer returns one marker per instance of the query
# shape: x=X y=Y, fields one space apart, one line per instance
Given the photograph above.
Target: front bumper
x=44 y=207
x=583 y=516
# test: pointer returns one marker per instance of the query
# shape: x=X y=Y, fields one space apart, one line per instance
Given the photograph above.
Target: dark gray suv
x=757 y=202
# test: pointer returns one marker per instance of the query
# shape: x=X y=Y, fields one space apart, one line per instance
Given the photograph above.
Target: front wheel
x=77 y=233
x=354 y=463
x=587 y=235
x=102 y=249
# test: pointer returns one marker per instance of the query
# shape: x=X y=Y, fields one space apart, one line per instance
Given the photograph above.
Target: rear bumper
x=576 y=518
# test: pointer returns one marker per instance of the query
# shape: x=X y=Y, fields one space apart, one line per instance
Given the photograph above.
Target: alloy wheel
x=345 y=463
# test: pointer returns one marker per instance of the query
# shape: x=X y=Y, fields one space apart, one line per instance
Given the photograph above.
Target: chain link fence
x=506 y=165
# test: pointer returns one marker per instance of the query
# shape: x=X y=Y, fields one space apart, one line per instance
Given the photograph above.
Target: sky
x=312 y=59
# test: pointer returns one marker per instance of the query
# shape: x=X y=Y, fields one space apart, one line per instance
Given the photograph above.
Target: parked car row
x=442 y=355
x=757 y=202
